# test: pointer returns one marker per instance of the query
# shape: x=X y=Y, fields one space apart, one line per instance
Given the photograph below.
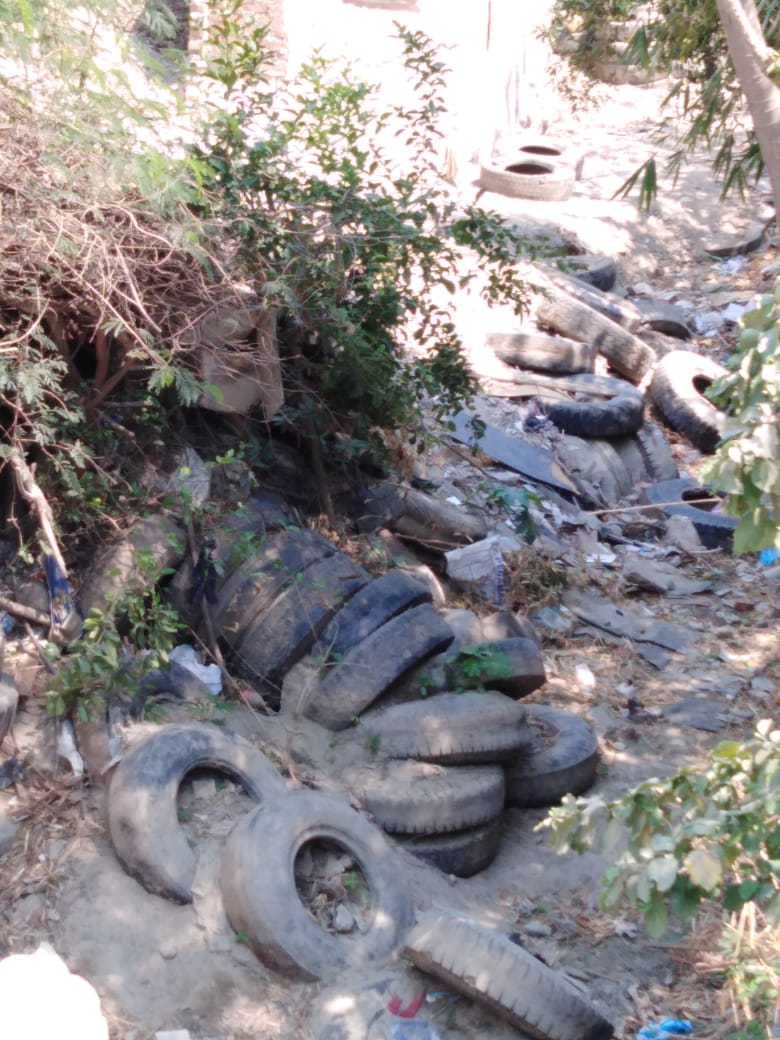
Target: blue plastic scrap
x=665 y=1030
x=769 y=555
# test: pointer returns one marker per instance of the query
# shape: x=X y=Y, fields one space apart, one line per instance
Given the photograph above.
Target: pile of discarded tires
x=258 y=884
x=542 y=169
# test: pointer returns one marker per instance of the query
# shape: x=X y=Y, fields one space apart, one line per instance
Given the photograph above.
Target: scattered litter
x=209 y=674
x=412 y=1029
x=481 y=566
x=665 y=1029
x=734 y=311
x=454 y=500
x=707 y=324
x=768 y=556
x=66 y=748
x=586 y=680
x=556 y=619
x=626 y=929
x=65 y=620
x=732 y=265
x=397 y=1007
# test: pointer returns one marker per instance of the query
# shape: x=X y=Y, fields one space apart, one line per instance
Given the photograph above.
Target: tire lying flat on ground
x=142 y=814
x=461 y=853
x=618 y=416
x=262 y=903
x=451 y=728
x=406 y=797
x=664 y=317
x=490 y=968
x=541 y=353
x=677 y=389
x=527 y=178
x=716 y=530
x=562 y=758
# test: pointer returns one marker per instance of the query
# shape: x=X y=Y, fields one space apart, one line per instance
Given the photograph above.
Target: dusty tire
x=451 y=728
x=562 y=758
x=512 y=666
x=573 y=317
x=371 y=667
x=422 y=798
x=716 y=530
x=624 y=482
x=543 y=149
x=283 y=633
x=598 y=271
x=142 y=817
x=618 y=416
x=595 y=479
x=490 y=968
x=9 y=700
x=527 y=178
x=656 y=453
x=376 y=603
x=677 y=390
x=255 y=583
x=260 y=897
x=627 y=450
x=542 y=353
x=664 y=317
x=461 y=853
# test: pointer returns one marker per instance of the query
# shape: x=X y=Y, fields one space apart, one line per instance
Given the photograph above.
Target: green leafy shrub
x=747 y=463
x=707 y=834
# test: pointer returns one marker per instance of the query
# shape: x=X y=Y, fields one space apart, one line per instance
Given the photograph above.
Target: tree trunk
x=750 y=57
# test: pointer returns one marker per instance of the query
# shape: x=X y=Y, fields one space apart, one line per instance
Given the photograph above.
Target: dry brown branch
x=29 y=490
x=22 y=611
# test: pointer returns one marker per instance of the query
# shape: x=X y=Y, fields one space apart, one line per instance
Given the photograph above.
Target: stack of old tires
x=607 y=442
x=540 y=168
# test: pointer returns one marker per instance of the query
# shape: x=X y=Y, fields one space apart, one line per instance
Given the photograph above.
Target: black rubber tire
x=451 y=728
x=378 y=602
x=619 y=310
x=545 y=149
x=656 y=453
x=624 y=482
x=598 y=271
x=254 y=584
x=282 y=634
x=371 y=667
x=488 y=967
x=407 y=797
x=9 y=700
x=618 y=416
x=677 y=389
x=142 y=814
x=262 y=903
x=716 y=530
x=562 y=758
x=572 y=317
x=512 y=666
x=542 y=353
x=664 y=317
x=527 y=178
x=460 y=853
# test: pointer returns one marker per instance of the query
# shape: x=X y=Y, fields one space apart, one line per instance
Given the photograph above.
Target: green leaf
x=663 y=872
x=704 y=869
x=656 y=919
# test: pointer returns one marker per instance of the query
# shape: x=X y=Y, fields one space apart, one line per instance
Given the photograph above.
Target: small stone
x=343 y=920
x=539 y=929
x=168 y=950
x=204 y=789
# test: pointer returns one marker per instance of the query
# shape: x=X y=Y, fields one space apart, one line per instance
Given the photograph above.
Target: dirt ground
x=160 y=966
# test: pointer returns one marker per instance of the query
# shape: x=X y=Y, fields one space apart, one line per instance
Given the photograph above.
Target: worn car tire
x=461 y=853
x=623 y=480
x=542 y=353
x=451 y=728
x=664 y=317
x=488 y=967
x=627 y=450
x=407 y=797
x=545 y=149
x=365 y=672
x=677 y=390
x=656 y=453
x=9 y=700
x=628 y=355
x=617 y=416
x=598 y=271
x=527 y=178
x=262 y=903
x=142 y=815
x=716 y=530
x=283 y=633
x=562 y=758
x=376 y=603
x=512 y=666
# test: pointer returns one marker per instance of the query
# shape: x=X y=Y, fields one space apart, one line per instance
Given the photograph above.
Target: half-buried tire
x=142 y=814
x=262 y=903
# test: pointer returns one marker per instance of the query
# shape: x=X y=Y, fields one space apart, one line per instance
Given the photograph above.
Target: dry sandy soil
x=161 y=966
